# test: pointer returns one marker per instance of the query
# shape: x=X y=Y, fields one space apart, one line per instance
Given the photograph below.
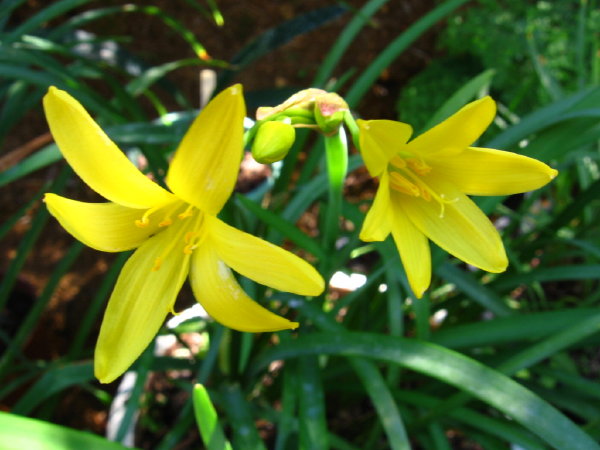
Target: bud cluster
x=274 y=131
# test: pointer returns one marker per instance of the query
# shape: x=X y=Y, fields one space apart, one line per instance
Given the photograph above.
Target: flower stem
x=336 y=149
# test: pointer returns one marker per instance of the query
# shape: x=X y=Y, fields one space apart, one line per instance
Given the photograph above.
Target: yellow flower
x=175 y=233
x=423 y=183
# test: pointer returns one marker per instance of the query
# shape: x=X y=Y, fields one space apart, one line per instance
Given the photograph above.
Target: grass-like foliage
x=482 y=360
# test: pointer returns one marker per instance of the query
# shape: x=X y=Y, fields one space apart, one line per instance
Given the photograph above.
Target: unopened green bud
x=273 y=141
x=330 y=110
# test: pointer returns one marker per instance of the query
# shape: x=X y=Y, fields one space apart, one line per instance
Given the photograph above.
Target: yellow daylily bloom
x=174 y=233
x=424 y=183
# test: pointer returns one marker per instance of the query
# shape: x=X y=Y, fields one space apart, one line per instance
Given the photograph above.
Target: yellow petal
x=458 y=131
x=380 y=140
x=107 y=227
x=95 y=158
x=219 y=293
x=262 y=261
x=205 y=167
x=413 y=247
x=461 y=228
x=145 y=292
x=484 y=171
x=378 y=221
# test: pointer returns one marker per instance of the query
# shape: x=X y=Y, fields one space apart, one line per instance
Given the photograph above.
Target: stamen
x=419 y=166
x=142 y=223
x=398 y=162
x=408 y=181
x=187 y=213
x=145 y=220
x=430 y=193
x=165 y=222
x=181 y=238
x=188 y=249
x=403 y=185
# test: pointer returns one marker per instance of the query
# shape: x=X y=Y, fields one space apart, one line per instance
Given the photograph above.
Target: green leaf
x=497 y=427
x=344 y=40
x=53 y=381
x=240 y=418
x=549 y=274
x=522 y=327
x=207 y=421
x=469 y=285
x=383 y=402
x=25 y=433
x=396 y=47
x=283 y=226
x=451 y=367
x=461 y=97
x=311 y=414
x=51 y=11
x=543 y=117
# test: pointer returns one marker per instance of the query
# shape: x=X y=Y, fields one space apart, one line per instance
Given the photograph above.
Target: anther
x=398 y=162
x=187 y=213
x=419 y=166
x=188 y=249
x=165 y=222
x=401 y=184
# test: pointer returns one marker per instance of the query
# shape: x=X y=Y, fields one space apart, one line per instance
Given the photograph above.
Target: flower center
x=187 y=236
x=407 y=176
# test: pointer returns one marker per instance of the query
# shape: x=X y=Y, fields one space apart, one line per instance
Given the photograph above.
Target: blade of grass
x=508 y=330
x=240 y=418
x=52 y=382
x=466 y=374
x=289 y=400
x=185 y=419
x=471 y=287
x=531 y=355
x=51 y=11
x=311 y=411
x=497 y=427
x=29 y=239
x=383 y=402
x=207 y=421
x=29 y=324
x=23 y=432
x=396 y=47
x=548 y=274
x=284 y=227
x=91 y=315
x=344 y=39
x=461 y=97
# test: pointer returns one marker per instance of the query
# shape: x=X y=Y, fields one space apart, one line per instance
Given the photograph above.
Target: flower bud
x=273 y=141
x=302 y=100
x=330 y=110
